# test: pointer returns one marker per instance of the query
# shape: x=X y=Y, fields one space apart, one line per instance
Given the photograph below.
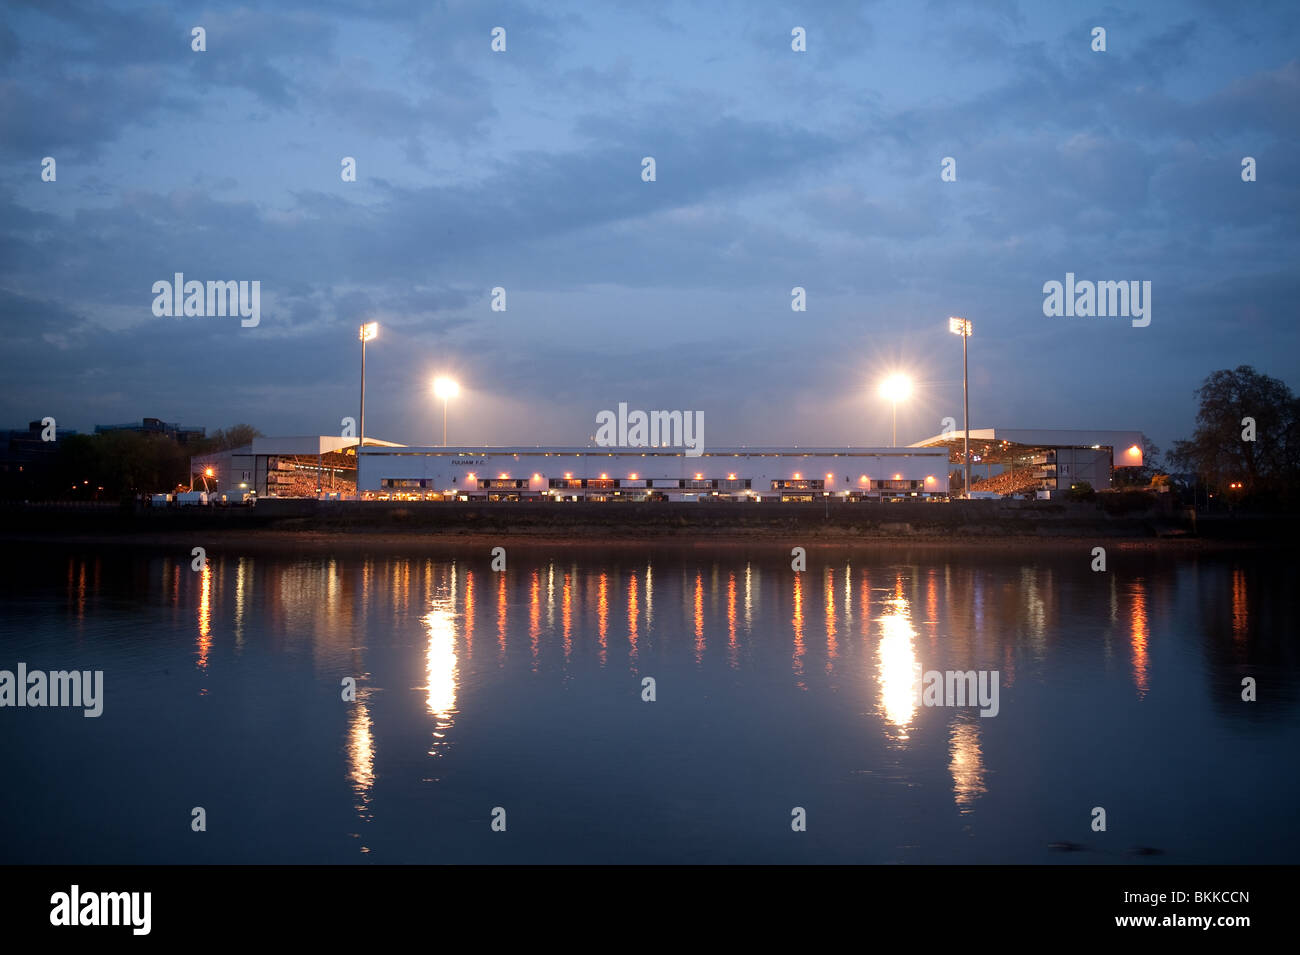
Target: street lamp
x=963 y=327
x=445 y=389
x=894 y=389
x=369 y=332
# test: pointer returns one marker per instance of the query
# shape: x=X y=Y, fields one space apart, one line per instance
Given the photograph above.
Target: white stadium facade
x=1004 y=463
x=650 y=474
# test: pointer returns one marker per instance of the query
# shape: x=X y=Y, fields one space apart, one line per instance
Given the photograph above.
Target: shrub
x=1081 y=491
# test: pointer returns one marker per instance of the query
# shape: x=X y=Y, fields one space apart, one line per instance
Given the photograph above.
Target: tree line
x=113 y=465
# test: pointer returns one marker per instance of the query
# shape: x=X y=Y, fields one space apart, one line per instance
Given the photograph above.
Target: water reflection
x=602 y=611
x=966 y=763
x=566 y=615
x=81 y=592
x=534 y=617
x=899 y=671
x=1035 y=607
x=501 y=618
x=631 y=618
x=243 y=584
x=1139 y=636
x=731 y=619
x=848 y=597
x=361 y=755
x=831 y=647
x=468 y=616
x=1240 y=607
x=749 y=598
x=649 y=596
x=205 y=616
x=699 y=618
x=441 y=669
x=796 y=624
x=932 y=601
x=1049 y=627
x=550 y=596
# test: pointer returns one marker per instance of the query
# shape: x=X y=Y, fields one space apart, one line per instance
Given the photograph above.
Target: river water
x=501 y=716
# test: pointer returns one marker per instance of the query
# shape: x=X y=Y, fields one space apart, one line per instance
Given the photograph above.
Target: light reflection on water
x=766 y=678
x=440 y=667
x=899 y=671
x=966 y=763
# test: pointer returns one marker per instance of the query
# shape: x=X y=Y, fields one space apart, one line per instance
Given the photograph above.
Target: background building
x=25 y=460
x=180 y=433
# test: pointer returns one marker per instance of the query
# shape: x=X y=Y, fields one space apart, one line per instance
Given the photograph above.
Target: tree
x=236 y=436
x=1081 y=491
x=1221 y=451
x=1144 y=476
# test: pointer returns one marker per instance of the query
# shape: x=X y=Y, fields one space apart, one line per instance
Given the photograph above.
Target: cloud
x=523 y=170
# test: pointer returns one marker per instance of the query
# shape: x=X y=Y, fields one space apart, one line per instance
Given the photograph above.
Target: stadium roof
x=307 y=445
x=312 y=444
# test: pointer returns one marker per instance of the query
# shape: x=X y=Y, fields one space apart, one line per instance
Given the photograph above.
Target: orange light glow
x=798 y=476
x=929 y=479
x=602 y=614
x=1139 y=635
x=568 y=475
x=604 y=476
x=699 y=476
x=1240 y=607
x=731 y=477
x=632 y=610
x=699 y=618
x=796 y=624
x=1134 y=451
x=205 y=615
x=632 y=476
x=898 y=477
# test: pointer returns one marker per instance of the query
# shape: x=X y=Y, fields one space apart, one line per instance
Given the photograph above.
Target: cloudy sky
x=523 y=169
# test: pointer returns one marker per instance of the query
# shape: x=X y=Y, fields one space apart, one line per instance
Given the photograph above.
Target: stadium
x=297 y=466
x=1039 y=462
x=652 y=474
x=1004 y=463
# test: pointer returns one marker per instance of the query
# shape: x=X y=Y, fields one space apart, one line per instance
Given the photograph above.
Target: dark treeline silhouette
x=112 y=465
x=1246 y=447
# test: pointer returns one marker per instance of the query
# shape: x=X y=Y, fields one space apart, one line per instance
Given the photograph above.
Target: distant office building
x=179 y=433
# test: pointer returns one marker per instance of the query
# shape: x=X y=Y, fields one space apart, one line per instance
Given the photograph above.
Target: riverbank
x=322 y=526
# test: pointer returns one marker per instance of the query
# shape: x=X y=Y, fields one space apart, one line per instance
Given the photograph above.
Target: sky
x=522 y=170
